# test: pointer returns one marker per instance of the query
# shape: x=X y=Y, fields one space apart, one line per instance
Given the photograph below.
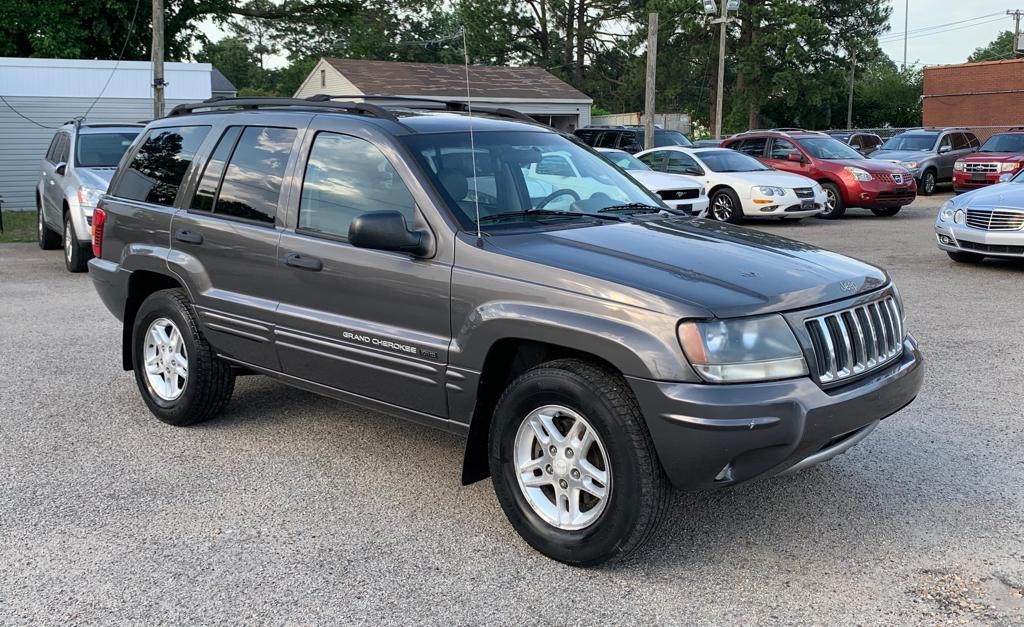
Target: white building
x=530 y=90
x=39 y=95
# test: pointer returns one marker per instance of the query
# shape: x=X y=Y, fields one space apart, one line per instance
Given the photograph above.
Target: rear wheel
x=965 y=257
x=573 y=464
x=75 y=255
x=834 y=207
x=928 y=182
x=48 y=240
x=886 y=212
x=181 y=379
x=725 y=207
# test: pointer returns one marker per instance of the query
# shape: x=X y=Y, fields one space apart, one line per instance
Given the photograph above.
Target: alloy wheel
x=562 y=467
x=722 y=208
x=69 y=244
x=830 y=201
x=929 y=183
x=165 y=359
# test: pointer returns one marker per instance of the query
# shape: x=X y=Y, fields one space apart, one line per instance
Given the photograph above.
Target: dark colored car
x=1003 y=153
x=929 y=153
x=707 y=143
x=628 y=138
x=848 y=178
x=864 y=143
x=594 y=347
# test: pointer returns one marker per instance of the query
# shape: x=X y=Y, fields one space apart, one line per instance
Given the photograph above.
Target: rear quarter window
x=159 y=164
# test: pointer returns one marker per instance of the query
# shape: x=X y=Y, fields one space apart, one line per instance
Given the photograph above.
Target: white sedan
x=678 y=192
x=738 y=185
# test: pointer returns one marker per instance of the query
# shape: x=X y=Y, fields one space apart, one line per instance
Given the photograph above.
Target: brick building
x=979 y=95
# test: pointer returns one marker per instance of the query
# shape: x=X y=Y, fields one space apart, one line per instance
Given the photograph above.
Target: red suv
x=1003 y=153
x=849 y=179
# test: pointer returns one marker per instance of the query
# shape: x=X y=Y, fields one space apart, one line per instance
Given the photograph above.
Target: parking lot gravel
x=295 y=509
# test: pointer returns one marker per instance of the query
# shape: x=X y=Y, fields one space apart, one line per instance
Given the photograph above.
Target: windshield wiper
x=636 y=207
x=498 y=217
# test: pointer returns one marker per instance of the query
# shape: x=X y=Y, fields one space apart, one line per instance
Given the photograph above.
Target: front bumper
x=954 y=237
x=877 y=194
x=966 y=181
x=788 y=206
x=693 y=206
x=718 y=435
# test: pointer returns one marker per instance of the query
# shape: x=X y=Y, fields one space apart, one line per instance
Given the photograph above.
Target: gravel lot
x=296 y=509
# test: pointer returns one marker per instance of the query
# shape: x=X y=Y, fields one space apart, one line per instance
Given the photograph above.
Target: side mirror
x=61 y=169
x=794 y=156
x=387 y=230
x=945 y=149
x=1006 y=178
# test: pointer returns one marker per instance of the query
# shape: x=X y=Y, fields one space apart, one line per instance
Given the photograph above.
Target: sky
x=944 y=31
x=939 y=31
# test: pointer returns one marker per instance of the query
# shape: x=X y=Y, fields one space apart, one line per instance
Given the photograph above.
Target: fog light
x=769 y=209
x=865 y=196
x=945 y=240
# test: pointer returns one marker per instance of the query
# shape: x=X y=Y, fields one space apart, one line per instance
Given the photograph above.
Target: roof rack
x=317 y=102
x=449 y=105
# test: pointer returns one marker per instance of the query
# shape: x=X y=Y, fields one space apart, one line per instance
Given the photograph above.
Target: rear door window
x=781 y=148
x=655 y=160
x=210 y=183
x=252 y=181
x=159 y=165
x=607 y=139
x=754 y=146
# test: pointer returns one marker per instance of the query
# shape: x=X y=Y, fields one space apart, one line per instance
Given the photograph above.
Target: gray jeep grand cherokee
x=594 y=348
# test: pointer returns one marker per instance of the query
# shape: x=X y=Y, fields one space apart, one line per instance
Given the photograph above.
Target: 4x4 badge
x=848 y=286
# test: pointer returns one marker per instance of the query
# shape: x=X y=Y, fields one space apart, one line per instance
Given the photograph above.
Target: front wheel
x=928 y=181
x=48 y=240
x=181 y=379
x=886 y=212
x=726 y=207
x=573 y=465
x=834 y=205
x=76 y=256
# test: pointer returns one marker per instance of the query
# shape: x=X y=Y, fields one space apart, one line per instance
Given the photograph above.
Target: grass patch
x=19 y=226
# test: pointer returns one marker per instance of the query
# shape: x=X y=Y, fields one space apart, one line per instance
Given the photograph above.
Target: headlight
x=769 y=190
x=1009 y=166
x=89 y=196
x=910 y=165
x=742 y=349
x=857 y=173
x=946 y=211
x=959 y=166
x=959 y=217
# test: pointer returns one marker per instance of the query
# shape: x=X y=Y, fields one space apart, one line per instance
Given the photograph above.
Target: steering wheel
x=555 y=194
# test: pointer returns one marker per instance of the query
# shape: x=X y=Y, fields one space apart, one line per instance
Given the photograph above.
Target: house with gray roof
x=530 y=90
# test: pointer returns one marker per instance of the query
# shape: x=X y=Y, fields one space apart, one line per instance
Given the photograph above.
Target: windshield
x=729 y=161
x=102 y=150
x=518 y=172
x=624 y=160
x=828 y=148
x=670 y=138
x=917 y=141
x=1011 y=142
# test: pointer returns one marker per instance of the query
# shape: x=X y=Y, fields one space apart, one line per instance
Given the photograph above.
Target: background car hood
x=901 y=155
x=662 y=180
x=777 y=178
x=98 y=178
x=1001 y=196
x=731 y=271
x=993 y=156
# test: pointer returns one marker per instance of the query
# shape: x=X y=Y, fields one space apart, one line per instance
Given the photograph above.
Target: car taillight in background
x=99 y=216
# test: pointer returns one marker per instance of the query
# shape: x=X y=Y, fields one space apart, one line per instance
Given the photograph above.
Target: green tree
x=233 y=57
x=998 y=49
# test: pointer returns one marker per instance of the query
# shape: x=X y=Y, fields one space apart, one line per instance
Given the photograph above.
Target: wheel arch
x=141 y=284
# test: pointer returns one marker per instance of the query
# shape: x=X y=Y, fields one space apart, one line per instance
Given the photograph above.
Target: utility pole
x=157 y=57
x=723 y=21
x=1016 y=30
x=849 y=102
x=906 y=24
x=652 y=61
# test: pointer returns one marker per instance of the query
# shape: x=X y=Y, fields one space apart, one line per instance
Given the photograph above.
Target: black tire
x=834 y=207
x=48 y=240
x=210 y=380
x=725 y=207
x=928 y=183
x=76 y=256
x=885 y=212
x=638 y=492
x=965 y=257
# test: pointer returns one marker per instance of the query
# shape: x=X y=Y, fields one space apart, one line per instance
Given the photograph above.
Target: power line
x=896 y=36
x=916 y=34
x=131 y=29
x=25 y=117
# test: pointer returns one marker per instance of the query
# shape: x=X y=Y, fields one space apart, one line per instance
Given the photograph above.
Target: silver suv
x=75 y=172
x=929 y=153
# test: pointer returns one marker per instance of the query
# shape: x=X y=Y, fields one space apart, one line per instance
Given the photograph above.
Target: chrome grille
x=804 y=192
x=995 y=219
x=853 y=341
x=899 y=179
x=987 y=168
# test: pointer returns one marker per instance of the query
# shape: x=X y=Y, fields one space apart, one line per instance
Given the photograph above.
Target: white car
x=678 y=192
x=738 y=185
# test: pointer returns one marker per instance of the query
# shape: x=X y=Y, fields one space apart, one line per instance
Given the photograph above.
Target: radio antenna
x=472 y=143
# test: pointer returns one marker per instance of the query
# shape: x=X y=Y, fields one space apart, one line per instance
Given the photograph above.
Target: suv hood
x=997 y=157
x=730 y=271
x=98 y=178
x=663 y=180
x=902 y=155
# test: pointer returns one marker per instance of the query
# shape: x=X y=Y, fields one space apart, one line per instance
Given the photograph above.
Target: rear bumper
x=111 y=283
x=719 y=435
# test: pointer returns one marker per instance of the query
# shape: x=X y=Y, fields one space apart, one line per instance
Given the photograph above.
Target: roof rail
x=258 y=102
x=449 y=105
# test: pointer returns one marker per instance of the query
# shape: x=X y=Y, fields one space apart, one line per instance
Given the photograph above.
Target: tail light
x=99 y=217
